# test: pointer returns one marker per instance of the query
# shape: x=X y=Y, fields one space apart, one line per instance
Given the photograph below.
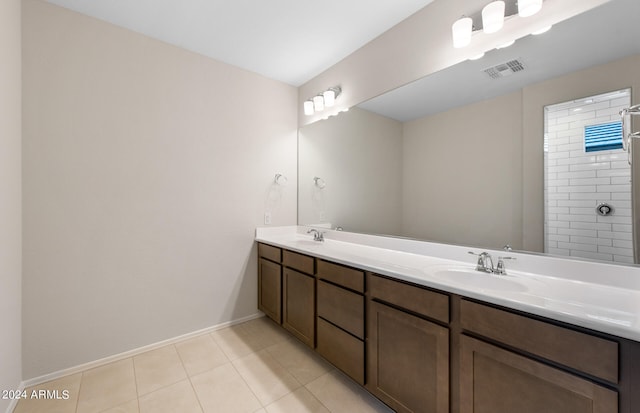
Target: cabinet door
x=407 y=361
x=298 y=305
x=493 y=380
x=270 y=289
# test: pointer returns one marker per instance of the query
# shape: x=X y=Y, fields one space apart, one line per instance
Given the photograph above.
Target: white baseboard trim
x=101 y=362
x=14 y=402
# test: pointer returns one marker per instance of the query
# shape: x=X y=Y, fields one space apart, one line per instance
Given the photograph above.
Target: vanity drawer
x=413 y=298
x=590 y=354
x=341 y=275
x=269 y=252
x=297 y=261
x=342 y=307
x=341 y=349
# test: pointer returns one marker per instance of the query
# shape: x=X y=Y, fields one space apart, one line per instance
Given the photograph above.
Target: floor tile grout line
x=191 y=382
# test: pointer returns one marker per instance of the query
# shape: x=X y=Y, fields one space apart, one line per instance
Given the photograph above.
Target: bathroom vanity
x=408 y=321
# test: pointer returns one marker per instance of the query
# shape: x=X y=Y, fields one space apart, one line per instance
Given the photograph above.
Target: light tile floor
x=250 y=367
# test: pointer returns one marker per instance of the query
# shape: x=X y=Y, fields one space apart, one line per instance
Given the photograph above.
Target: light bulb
x=461 y=31
x=329 y=97
x=528 y=8
x=308 y=108
x=493 y=17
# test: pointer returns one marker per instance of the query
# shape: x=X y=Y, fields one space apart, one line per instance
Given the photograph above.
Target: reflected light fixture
x=322 y=100
x=461 y=31
x=491 y=19
x=493 y=16
x=528 y=8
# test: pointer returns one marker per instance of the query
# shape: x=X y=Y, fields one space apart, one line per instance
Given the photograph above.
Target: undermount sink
x=481 y=280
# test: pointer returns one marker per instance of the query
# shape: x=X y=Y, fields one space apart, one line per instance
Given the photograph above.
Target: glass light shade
x=308 y=108
x=461 y=31
x=505 y=45
x=528 y=8
x=542 y=30
x=493 y=17
x=318 y=103
x=329 y=97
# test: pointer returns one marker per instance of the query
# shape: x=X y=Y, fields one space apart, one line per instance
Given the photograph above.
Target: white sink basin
x=479 y=280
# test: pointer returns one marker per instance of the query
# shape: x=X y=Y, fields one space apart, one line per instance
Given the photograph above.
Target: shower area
x=587 y=180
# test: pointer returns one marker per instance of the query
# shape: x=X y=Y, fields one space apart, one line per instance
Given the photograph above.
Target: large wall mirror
x=457 y=156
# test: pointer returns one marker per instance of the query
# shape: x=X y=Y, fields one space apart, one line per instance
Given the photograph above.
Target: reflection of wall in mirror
x=358 y=154
x=462 y=174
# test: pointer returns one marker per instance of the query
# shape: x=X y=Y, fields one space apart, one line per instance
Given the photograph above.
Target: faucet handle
x=500 y=268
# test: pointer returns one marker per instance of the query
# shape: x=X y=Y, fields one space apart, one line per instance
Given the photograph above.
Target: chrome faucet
x=485 y=262
x=317 y=235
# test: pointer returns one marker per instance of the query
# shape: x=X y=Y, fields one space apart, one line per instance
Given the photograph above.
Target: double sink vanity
x=426 y=327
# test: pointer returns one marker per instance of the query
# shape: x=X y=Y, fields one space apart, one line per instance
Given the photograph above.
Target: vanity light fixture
x=322 y=101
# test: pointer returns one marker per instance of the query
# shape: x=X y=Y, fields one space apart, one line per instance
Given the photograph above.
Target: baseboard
x=101 y=362
x=14 y=402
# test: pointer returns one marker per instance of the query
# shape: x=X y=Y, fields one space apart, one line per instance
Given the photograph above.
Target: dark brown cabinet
x=270 y=289
x=298 y=312
x=408 y=361
x=298 y=296
x=407 y=352
x=494 y=380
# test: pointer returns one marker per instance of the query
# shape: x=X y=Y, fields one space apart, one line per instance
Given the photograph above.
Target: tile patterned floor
x=251 y=367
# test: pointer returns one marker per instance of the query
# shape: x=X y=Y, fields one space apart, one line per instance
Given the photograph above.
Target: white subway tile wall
x=576 y=182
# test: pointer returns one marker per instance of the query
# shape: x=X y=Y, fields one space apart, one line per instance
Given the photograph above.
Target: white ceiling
x=287 y=40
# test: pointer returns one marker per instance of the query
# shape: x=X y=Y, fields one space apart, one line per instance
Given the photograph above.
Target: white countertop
x=600 y=296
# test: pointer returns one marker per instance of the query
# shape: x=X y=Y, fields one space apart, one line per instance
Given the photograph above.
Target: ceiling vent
x=504 y=69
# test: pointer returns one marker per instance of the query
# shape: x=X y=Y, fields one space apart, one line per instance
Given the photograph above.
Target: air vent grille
x=505 y=69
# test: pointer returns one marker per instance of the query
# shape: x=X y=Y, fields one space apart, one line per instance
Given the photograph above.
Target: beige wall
x=359 y=155
x=462 y=174
x=10 y=197
x=146 y=169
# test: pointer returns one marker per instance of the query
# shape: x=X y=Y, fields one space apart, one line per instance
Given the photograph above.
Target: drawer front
x=341 y=349
x=592 y=355
x=344 y=276
x=297 y=261
x=342 y=307
x=269 y=252
x=413 y=298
